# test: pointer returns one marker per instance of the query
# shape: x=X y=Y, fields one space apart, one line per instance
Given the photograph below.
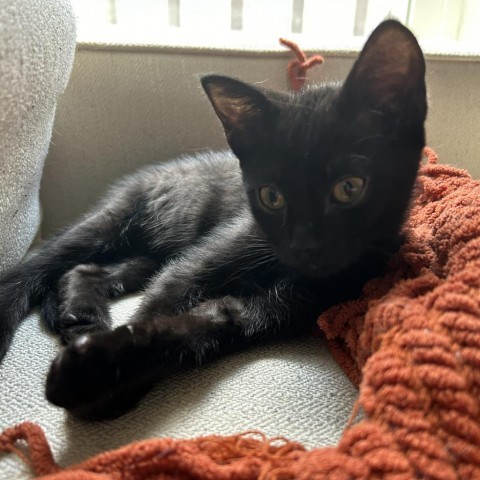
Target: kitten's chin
x=312 y=269
x=320 y=272
x=314 y=263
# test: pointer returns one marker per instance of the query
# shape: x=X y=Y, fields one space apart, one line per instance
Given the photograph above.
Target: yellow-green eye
x=271 y=198
x=349 y=189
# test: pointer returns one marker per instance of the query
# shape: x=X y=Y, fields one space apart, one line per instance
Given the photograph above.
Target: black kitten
x=232 y=250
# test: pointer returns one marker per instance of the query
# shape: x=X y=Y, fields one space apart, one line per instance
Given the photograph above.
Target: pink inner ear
x=239 y=106
x=236 y=111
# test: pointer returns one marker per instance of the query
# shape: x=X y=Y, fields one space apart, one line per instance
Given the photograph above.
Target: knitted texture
x=297 y=68
x=412 y=342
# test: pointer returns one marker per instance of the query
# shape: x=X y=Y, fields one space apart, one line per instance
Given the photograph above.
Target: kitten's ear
x=389 y=74
x=242 y=109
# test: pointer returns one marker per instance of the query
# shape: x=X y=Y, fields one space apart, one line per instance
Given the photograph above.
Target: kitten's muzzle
x=305 y=259
x=315 y=262
x=304 y=240
x=309 y=255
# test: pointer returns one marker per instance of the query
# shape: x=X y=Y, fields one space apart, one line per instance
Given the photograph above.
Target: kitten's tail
x=21 y=288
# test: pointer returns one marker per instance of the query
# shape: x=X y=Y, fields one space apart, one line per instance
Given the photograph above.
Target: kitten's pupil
x=271 y=198
x=349 y=189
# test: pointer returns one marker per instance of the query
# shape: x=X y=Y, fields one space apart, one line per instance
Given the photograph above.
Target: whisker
x=365 y=139
x=376 y=112
x=355 y=156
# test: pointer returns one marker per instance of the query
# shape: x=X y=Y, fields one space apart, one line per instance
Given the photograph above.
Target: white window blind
x=318 y=22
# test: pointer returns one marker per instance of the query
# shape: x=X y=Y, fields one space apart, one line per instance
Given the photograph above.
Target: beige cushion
x=292 y=389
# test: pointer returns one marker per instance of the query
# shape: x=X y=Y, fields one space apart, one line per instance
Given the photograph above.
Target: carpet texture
x=412 y=341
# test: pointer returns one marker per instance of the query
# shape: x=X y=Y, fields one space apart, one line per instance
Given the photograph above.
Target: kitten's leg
x=80 y=303
x=102 y=236
x=102 y=375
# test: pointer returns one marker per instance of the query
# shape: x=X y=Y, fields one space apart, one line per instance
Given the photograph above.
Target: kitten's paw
x=92 y=377
x=70 y=317
x=75 y=322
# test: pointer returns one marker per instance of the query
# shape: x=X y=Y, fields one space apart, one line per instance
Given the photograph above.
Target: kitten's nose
x=309 y=255
x=302 y=239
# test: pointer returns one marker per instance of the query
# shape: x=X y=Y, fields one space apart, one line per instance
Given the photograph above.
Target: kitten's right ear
x=242 y=109
x=389 y=74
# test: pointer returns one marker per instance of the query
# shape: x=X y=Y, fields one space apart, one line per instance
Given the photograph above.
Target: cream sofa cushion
x=292 y=389
x=37 y=42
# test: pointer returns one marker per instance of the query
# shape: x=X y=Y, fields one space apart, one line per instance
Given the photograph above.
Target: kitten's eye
x=271 y=198
x=349 y=189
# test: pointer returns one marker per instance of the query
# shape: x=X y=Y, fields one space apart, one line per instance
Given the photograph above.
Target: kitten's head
x=329 y=171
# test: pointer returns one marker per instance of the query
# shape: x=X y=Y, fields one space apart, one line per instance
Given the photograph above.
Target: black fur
x=220 y=269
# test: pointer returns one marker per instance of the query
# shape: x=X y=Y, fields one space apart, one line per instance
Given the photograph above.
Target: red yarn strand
x=297 y=68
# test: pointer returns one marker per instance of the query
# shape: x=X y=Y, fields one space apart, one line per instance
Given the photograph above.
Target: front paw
x=93 y=377
x=70 y=319
x=74 y=322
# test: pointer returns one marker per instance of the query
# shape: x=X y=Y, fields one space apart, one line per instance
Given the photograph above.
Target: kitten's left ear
x=243 y=110
x=389 y=74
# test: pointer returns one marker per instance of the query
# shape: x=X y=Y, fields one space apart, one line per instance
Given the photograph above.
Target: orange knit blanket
x=412 y=342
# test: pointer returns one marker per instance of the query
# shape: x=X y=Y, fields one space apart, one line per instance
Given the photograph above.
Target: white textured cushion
x=37 y=42
x=293 y=389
